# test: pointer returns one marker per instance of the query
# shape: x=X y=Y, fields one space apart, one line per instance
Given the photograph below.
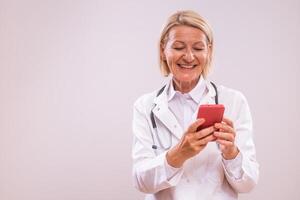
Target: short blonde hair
x=188 y=18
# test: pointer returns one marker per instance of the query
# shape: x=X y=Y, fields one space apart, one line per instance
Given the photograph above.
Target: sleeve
x=151 y=172
x=242 y=172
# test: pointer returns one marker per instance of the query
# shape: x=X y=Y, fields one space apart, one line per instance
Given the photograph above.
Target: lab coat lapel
x=164 y=114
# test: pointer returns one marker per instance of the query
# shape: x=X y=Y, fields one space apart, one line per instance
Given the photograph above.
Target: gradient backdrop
x=71 y=70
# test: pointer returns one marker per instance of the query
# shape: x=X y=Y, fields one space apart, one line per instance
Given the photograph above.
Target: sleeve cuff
x=233 y=168
x=173 y=174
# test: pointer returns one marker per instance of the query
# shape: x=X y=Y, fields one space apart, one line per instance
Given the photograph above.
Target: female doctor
x=171 y=158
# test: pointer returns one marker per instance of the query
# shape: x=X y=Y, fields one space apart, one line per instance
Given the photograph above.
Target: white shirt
x=205 y=176
x=185 y=105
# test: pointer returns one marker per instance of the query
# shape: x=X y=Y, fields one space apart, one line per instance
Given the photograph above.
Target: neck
x=184 y=87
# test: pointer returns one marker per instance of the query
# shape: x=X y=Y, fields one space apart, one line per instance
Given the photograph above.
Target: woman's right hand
x=191 y=143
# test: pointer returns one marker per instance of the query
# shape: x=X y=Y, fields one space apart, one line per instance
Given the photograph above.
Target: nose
x=189 y=56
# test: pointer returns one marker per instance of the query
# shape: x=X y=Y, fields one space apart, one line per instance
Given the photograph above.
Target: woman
x=172 y=159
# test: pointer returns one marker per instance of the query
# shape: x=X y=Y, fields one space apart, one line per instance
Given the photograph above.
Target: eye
x=178 y=48
x=199 y=49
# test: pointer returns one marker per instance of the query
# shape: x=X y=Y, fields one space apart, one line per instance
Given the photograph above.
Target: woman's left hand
x=225 y=138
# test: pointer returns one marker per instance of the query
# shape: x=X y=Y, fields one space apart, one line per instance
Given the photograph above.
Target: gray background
x=71 y=70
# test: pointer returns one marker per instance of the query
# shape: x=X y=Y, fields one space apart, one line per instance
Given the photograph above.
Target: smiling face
x=186 y=52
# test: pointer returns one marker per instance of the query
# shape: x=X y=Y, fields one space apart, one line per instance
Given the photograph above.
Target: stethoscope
x=154 y=126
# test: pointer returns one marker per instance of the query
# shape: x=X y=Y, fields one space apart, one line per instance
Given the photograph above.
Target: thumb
x=193 y=127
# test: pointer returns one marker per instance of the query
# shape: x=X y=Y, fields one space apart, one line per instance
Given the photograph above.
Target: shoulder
x=146 y=101
x=234 y=101
x=229 y=94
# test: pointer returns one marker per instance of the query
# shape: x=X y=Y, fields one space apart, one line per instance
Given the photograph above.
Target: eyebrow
x=198 y=42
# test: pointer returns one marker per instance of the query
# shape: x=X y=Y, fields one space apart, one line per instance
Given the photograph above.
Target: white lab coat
x=204 y=176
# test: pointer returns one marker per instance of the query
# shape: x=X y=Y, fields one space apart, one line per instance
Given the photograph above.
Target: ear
x=209 y=49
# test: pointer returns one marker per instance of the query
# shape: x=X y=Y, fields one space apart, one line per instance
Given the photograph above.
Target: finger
x=224 y=127
x=205 y=140
x=228 y=122
x=193 y=127
x=204 y=132
x=224 y=136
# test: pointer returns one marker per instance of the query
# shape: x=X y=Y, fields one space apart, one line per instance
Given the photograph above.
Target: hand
x=225 y=138
x=191 y=143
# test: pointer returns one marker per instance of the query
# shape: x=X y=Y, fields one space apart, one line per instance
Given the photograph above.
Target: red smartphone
x=212 y=113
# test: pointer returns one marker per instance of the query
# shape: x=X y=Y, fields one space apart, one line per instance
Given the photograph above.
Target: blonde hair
x=187 y=18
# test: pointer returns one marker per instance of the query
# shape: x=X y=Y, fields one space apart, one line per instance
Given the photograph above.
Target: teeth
x=187 y=66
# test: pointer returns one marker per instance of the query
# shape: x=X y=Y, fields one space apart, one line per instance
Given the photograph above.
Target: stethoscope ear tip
x=154 y=146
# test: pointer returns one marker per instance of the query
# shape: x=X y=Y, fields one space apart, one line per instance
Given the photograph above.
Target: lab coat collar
x=163 y=97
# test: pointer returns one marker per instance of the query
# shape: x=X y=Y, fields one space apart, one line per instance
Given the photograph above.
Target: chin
x=187 y=77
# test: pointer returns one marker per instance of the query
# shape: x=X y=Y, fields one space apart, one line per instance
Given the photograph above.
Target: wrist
x=231 y=154
x=174 y=159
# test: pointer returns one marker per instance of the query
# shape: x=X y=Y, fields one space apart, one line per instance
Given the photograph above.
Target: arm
x=151 y=172
x=240 y=165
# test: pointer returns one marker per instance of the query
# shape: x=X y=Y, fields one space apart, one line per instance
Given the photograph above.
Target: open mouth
x=184 y=66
